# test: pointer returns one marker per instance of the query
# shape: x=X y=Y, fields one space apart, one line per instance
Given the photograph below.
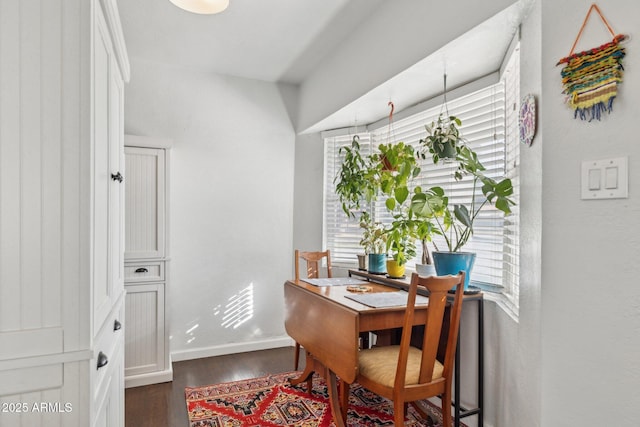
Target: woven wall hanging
x=590 y=78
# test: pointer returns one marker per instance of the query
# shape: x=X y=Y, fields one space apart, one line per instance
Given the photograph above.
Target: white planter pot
x=426 y=270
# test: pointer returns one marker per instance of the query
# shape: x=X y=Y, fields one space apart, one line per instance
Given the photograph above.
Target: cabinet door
x=110 y=407
x=103 y=183
x=108 y=173
x=144 y=203
x=145 y=332
x=117 y=188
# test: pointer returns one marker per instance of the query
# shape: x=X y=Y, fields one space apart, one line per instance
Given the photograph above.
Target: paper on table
x=386 y=299
x=334 y=281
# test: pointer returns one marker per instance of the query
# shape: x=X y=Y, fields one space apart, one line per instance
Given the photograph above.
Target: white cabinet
x=108 y=191
x=107 y=261
x=147 y=359
x=63 y=65
x=108 y=344
x=145 y=203
x=145 y=351
x=107 y=370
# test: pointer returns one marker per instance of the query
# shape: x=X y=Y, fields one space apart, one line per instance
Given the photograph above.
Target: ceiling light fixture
x=205 y=7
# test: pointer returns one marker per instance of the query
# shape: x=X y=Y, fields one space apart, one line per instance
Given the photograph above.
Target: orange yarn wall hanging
x=590 y=78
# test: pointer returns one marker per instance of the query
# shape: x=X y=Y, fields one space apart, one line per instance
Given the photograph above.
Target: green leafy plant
x=426 y=207
x=394 y=167
x=401 y=238
x=353 y=182
x=456 y=222
x=443 y=138
x=374 y=237
x=386 y=174
x=389 y=174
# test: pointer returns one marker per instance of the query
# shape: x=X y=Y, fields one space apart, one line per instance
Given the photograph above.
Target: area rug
x=272 y=401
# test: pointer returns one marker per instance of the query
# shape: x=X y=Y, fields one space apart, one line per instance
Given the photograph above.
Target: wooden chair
x=406 y=374
x=313 y=260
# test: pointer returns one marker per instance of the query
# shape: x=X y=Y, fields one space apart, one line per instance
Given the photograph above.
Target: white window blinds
x=489 y=125
x=483 y=126
x=341 y=234
x=511 y=244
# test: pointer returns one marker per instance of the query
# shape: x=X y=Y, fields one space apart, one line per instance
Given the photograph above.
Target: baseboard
x=150 y=378
x=220 y=350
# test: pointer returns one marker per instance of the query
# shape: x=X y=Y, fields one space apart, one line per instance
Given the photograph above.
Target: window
x=341 y=234
x=511 y=246
x=490 y=127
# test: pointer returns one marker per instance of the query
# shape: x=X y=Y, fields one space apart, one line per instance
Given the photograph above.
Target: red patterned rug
x=272 y=401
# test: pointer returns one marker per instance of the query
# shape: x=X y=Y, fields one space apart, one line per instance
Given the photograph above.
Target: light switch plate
x=605 y=179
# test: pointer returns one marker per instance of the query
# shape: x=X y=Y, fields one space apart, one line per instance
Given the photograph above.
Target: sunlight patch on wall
x=190 y=334
x=239 y=309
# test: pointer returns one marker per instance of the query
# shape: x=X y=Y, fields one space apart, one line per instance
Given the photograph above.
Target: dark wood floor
x=161 y=405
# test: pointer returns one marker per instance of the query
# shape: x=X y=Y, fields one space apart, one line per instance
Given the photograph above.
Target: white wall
x=513 y=348
x=231 y=203
x=590 y=301
x=308 y=193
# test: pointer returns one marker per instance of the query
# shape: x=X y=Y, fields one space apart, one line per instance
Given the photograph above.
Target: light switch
x=594 y=179
x=605 y=179
x=611 y=178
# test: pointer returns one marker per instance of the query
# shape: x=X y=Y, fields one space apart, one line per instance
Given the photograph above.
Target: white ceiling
x=271 y=40
x=474 y=54
x=283 y=40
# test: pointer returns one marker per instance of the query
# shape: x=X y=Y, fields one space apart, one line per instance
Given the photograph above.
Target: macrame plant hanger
x=356 y=137
x=444 y=97
x=390 y=137
x=390 y=132
x=590 y=78
x=447 y=155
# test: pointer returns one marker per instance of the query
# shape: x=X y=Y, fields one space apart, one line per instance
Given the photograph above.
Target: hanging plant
x=443 y=138
x=353 y=183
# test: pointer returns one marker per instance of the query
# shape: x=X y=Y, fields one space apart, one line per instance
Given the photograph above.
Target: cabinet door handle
x=117 y=325
x=117 y=177
x=102 y=360
x=142 y=270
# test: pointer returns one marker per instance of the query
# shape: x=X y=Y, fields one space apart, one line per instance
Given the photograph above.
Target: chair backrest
x=313 y=263
x=438 y=287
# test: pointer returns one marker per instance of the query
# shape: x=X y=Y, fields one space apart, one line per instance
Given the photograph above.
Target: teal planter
x=377 y=263
x=453 y=262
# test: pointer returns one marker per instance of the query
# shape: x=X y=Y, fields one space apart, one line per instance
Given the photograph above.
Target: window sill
x=491 y=292
x=502 y=301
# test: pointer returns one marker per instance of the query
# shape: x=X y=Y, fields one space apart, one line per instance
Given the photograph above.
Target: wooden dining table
x=328 y=325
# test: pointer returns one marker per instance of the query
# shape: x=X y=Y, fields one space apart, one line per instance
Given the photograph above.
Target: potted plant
x=374 y=241
x=354 y=182
x=443 y=138
x=387 y=174
x=391 y=170
x=425 y=207
x=396 y=165
x=456 y=222
x=401 y=243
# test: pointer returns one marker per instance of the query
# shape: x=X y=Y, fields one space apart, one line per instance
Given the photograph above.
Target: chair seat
x=379 y=364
